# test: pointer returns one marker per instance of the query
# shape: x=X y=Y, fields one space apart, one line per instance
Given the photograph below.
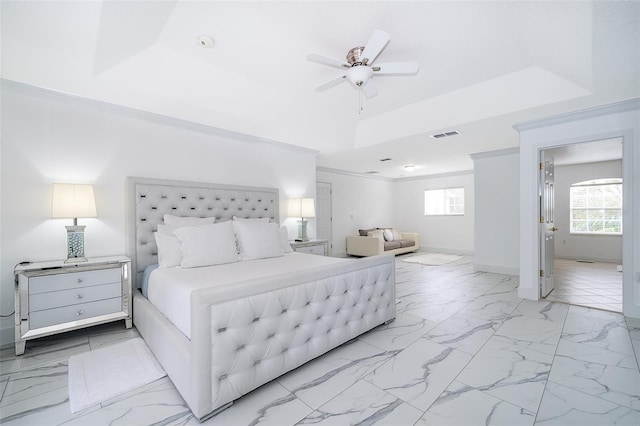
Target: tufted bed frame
x=265 y=327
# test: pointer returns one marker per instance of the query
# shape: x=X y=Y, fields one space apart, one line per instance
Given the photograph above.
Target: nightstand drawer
x=56 y=299
x=317 y=249
x=74 y=313
x=57 y=282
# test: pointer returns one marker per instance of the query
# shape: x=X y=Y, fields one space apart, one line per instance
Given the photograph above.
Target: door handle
x=554 y=229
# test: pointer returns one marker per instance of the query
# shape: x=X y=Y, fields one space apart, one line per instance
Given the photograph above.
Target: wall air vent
x=372 y=172
x=445 y=134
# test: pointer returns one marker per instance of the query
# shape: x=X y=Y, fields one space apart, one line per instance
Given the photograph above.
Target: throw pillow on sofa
x=378 y=234
x=388 y=234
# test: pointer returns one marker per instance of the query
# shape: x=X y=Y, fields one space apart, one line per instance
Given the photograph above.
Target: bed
x=260 y=322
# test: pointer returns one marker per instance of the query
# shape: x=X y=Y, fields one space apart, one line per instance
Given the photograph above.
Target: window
x=447 y=201
x=596 y=207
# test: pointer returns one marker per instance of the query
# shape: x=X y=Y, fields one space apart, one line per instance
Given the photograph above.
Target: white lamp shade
x=359 y=74
x=302 y=207
x=72 y=201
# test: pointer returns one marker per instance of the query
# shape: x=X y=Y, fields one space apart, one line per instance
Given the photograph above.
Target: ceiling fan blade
x=325 y=60
x=369 y=89
x=376 y=43
x=397 y=68
x=333 y=82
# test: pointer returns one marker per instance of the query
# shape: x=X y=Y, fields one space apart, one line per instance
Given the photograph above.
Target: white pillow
x=207 y=245
x=254 y=219
x=170 y=219
x=169 y=254
x=284 y=239
x=387 y=234
x=377 y=234
x=397 y=235
x=257 y=240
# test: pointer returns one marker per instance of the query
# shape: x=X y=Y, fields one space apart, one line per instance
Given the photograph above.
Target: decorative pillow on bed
x=254 y=219
x=169 y=254
x=170 y=219
x=207 y=245
x=284 y=240
x=257 y=240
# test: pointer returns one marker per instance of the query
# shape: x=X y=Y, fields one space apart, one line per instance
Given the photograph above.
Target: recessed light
x=409 y=167
x=205 y=41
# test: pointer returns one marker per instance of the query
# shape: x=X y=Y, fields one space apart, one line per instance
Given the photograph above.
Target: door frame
x=616 y=120
x=529 y=242
x=330 y=239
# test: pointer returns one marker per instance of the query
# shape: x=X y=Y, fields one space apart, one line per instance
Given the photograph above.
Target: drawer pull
x=80 y=295
x=80 y=280
x=80 y=312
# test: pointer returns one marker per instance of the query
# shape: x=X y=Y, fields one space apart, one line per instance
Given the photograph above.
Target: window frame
x=601 y=207
x=444 y=205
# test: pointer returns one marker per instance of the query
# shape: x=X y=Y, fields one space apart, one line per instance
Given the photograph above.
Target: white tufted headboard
x=149 y=199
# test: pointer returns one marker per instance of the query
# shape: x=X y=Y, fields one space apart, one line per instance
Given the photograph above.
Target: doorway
x=588 y=223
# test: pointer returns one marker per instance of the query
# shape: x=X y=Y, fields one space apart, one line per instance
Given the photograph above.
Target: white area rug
x=99 y=375
x=432 y=259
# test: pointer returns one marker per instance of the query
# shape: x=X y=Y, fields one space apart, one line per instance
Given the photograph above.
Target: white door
x=323 y=213
x=547 y=228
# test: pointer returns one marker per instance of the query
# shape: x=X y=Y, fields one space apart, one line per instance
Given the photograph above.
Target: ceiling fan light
x=359 y=75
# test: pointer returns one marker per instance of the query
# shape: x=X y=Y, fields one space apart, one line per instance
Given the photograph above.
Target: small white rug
x=432 y=259
x=99 y=375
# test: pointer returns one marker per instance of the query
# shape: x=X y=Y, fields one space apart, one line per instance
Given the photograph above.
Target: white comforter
x=170 y=288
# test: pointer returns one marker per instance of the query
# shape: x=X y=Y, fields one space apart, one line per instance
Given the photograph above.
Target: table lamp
x=71 y=201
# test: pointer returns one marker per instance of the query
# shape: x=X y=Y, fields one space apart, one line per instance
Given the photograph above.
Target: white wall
x=610 y=121
x=497 y=218
x=603 y=248
x=49 y=137
x=357 y=202
x=450 y=234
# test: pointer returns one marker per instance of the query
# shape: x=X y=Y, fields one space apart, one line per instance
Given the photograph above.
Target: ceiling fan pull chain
x=360 y=101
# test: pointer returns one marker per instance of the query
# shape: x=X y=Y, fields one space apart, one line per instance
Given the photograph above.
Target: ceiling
x=484 y=66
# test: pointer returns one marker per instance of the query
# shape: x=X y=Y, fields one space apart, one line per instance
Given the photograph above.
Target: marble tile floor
x=464 y=350
x=593 y=285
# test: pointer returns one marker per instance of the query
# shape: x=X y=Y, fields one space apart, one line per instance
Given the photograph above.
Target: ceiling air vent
x=445 y=134
x=372 y=172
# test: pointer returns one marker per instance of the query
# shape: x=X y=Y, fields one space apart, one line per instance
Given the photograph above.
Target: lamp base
x=302 y=230
x=75 y=244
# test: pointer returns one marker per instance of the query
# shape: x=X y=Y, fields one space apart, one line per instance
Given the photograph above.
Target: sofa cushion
x=392 y=245
x=406 y=243
x=365 y=232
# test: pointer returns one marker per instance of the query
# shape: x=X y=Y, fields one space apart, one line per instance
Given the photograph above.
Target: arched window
x=596 y=207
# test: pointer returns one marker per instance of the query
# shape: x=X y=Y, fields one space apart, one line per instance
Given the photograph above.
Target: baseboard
x=594 y=259
x=496 y=269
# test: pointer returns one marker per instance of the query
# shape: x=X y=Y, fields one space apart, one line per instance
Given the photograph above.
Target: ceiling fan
x=360 y=68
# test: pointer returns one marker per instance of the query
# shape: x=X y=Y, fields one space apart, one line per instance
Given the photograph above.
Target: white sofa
x=358 y=245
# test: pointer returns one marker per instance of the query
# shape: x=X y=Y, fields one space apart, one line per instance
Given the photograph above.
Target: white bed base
x=264 y=329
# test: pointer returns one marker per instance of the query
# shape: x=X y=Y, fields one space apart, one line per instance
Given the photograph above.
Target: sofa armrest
x=364 y=246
